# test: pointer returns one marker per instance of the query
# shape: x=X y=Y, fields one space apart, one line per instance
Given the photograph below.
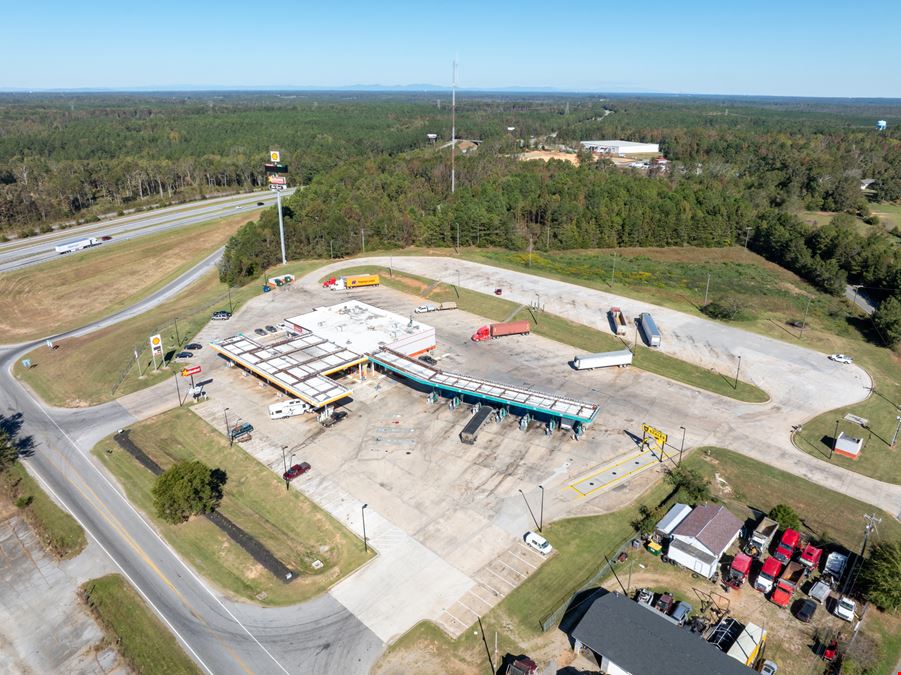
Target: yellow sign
x=275 y=156
x=656 y=434
x=156 y=345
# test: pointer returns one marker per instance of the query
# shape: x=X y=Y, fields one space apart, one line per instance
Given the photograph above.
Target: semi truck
x=471 y=431
x=79 y=245
x=440 y=307
x=496 y=330
x=621 y=358
x=768 y=575
x=787 y=584
x=649 y=330
x=810 y=557
x=785 y=551
x=739 y=570
x=762 y=536
x=354 y=281
x=618 y=319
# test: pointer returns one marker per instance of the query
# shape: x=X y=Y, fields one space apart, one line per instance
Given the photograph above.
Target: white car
x=424 y=309
x=841 y=358
x=539 y=543
x=844 y=608
x=769 y=668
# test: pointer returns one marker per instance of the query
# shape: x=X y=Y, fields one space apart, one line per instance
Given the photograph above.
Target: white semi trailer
x=621 y=358
x=78 y=245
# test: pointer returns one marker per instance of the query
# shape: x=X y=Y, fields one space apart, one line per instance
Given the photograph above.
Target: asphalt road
x=320 y=636
x=33 y=250
x=859 y=299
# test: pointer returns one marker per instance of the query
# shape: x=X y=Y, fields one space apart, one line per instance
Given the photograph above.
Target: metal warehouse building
x=620 y=148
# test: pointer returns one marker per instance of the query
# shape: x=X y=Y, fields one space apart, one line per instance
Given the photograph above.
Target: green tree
x=187 y=489
x=785 y=516
x=887 y=319
x=9 y=453
x=690 y=484
x=647 y=519
x=881 y=575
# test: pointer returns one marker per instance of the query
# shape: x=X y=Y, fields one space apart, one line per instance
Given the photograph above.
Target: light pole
x=541 y=517
x=285 y=464
x=804 y=320
x=230 y=306
x=834 y=439
x=707 y=289
x=747 y=236
x=682 y=446
x=613 y=271
x=895 y=435
x=281 y=222
x=363 y=513
x=737 y=371
x=228 y=430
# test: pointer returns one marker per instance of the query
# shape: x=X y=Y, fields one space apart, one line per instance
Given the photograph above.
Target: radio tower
x=453 y=126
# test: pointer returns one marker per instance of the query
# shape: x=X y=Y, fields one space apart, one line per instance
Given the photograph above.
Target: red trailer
x=739 y=570
x=496 y=330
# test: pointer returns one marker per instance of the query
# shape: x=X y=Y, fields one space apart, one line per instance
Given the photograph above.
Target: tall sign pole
x=278 y=182
x=453 y=127
x=281 y=224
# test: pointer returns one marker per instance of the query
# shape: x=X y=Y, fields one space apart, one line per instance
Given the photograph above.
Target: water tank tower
x=881 y=125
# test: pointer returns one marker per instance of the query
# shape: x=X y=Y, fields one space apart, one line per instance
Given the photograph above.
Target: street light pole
x=541 y=517
x=737 y=371
x=682 y=446
x=895 y=435
x=834 y=439
x=230 y=307
x=228 y=431
x=707 y=289
x=363 y=512
x=804 y=320
x=285 y=464
x=281 y=223
x=613 y=271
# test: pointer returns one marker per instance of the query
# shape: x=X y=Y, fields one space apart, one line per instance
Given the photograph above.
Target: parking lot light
x=541 y=516
x=363 y=513
x=228 y=431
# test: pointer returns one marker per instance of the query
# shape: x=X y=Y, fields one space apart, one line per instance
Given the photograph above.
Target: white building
x=363 y=329
x=620 y=148
x=702 y=537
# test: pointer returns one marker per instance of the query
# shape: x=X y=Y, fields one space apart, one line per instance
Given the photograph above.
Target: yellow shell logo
x=274 y=156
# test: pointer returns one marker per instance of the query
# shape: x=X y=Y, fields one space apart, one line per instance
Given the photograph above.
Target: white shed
x=700 y=540
x=671 y=520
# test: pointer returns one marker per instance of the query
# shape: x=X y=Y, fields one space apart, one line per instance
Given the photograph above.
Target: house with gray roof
x=702 y=537
x=625 y=638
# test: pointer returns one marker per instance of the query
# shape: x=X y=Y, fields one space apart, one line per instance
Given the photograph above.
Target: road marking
x=510 y=568
x=641 y=461
x=506 y=581
x=534 y=567
x=161 y=540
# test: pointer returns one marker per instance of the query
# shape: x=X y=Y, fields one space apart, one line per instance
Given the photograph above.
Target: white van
x=288 y=408
x=539 y=543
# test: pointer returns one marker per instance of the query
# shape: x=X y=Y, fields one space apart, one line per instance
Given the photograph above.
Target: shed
x=626 y=639
x=671 y=520
x=700 y=540
x=848 y=446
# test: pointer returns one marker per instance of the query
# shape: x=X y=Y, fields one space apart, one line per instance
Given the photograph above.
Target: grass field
x=58 y=531
x=139 y=636
x=68 y=376
x=581 y=543
x=40 y=300
x=564 y=331
x=287 y=523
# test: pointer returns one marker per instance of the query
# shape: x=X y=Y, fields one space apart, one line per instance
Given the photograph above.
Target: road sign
x=278 y=187
x=275 y=156
x=656 y=434
x=275 y=167
x=156 y=344
x=278 y=180
x=193 y=370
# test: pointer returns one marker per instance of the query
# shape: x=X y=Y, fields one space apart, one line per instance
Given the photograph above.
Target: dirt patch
x=546 y=155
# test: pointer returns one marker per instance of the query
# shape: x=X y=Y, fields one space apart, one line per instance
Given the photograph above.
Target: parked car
x=260 y=331
x=665 y=603
x=272 y=329
x=105 y=237
x=425 y=309
x=645 y=597
x=844 y=608
x=539 y=543
x=681 y=611
x=296 y=470
x=806 y=609
x=769 y=668
x=425 y=358
x=194 y=346
x=260 y=204
x=184 y=355
x=841 y=358
x=221 y=315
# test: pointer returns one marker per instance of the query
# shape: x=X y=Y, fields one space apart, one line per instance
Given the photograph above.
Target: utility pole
x=530 y=250
x=363 y=237
x=178 y=390
x=138 y=361
x=682 y=446
x=747 y=236
x=834 y=439
x=285 y=464
x=230 y=307
x=458 y=237
x=453 y=127
x=613 y=271
x=872 y=522
x=707 y=290
x=177 y=337
x=804 y=320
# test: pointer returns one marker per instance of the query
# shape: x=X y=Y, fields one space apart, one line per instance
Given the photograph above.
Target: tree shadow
x=218 y=479
x=11 y=426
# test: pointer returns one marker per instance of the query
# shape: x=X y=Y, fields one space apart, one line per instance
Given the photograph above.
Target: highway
x=20 y=253
x=223 y=636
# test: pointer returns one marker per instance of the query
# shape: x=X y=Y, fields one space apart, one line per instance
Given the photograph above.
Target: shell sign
x=156 y=345
x=275 y=156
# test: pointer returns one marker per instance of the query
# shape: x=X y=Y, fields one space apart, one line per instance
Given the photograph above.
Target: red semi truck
x=739 y=570
x=788 y=583
x=768 y=574
x=790 y=542
x=496 y=330
x=810 y=557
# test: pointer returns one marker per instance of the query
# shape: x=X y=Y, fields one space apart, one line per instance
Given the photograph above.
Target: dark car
x=296 y=470
x=665 y=603
x=260 y=204
x=184 y=355
x=105 y=237
x=194 y=346
x=260 y=331
x=221 y=315
x=806 y=610
x=425 y=358
x=272 y=329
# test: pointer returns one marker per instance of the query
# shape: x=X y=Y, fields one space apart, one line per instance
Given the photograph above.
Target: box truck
x=496 y=330
x=288 y=408
x=618 y=319
x=649 y=330
x=621 y=358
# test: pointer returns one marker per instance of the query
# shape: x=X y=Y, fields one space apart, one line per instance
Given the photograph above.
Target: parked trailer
x=621 y=358
x=619 y=320
x=649 y=329
x=355 y=281
x=79 y=245
x=496 y=330
x=288 y=408
x=471 y=431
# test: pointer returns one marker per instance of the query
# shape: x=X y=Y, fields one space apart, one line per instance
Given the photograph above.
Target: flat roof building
x=620 y=148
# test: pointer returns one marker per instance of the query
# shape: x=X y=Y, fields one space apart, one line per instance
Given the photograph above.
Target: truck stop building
x=620 y=148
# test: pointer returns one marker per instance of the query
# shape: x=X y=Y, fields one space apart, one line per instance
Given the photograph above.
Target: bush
x=727 y=309
x=881 y=576
x=785 y=516
x=187 y=489
x=24 y=501
x=690 y=484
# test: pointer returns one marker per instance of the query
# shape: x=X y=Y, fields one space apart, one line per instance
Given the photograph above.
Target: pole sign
x=278 y=180
x=193 y=370
x=156 y=344
x=656 y=434
x=275 y=167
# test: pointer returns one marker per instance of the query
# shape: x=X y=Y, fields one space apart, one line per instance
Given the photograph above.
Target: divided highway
x=33 y=250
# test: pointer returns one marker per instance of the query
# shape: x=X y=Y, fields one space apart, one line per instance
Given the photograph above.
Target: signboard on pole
x=275 y=167
x=156 y=344
x=278 y=180
x=275 y=156
x=656 y=434
x=193 y=370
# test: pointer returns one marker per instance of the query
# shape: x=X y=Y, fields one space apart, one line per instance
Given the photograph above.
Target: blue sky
x=792 y=47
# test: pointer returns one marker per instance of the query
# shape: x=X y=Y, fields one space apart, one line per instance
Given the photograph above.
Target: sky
x=788 y=48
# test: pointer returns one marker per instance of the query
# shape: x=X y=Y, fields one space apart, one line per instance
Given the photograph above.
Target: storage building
x=671 y=520
x=620 y=148
x=700 y=540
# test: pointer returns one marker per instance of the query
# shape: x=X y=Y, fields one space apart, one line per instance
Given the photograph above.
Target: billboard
x=156 y=345
x=656 y=434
